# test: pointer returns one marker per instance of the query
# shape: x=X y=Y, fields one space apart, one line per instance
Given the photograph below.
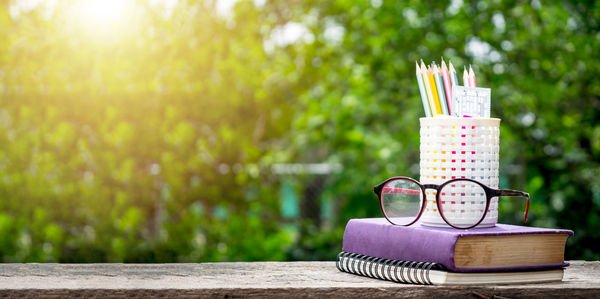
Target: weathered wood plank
x=259 y=279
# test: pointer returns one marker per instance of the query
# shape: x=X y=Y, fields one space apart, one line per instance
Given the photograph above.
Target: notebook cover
x=377 y=237
x=432 y=273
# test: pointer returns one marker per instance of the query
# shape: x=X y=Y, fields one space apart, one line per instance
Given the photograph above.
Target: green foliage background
x=153 y=140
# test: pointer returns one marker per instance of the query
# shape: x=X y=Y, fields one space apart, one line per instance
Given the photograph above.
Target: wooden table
x=258 y=279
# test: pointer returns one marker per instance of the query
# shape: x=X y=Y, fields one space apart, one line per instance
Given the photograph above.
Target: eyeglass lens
x=462 y=203
x=402 y=201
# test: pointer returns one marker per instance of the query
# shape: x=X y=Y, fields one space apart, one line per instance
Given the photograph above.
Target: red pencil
x=472 y=77
x=447 y=85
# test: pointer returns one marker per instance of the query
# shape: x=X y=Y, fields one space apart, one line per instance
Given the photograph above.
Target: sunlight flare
x=101 y=14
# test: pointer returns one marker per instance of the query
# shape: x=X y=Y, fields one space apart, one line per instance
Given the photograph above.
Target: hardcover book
x=500 y=248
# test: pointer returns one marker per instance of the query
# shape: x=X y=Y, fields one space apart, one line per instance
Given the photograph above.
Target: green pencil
x=423 y=92
x=440 y=88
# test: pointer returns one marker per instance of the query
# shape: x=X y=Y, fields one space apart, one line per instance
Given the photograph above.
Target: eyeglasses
x=462 y=203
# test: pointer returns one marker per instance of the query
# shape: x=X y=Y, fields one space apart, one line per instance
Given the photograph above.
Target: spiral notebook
x=434 y=273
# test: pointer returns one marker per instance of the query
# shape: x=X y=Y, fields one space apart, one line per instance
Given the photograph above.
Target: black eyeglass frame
x=489 y=193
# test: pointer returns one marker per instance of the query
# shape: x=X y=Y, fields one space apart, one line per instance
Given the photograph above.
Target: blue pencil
x=453 y=76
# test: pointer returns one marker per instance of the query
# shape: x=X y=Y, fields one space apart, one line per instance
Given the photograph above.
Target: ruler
x=471 y=101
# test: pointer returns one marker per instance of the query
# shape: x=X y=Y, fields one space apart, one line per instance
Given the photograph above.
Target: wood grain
x=259 y=279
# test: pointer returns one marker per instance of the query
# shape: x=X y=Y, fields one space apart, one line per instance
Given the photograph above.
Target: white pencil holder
x=453 y=147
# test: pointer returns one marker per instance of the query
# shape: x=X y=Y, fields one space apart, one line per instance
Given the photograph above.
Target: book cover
x=376 y=237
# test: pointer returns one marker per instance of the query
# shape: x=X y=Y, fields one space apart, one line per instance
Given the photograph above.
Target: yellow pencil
x=430 y=97
x=436 y=98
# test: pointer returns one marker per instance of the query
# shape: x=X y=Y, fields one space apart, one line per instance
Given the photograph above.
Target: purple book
x=500 y=248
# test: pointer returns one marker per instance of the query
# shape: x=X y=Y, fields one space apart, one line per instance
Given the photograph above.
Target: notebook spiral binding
x=386 y=269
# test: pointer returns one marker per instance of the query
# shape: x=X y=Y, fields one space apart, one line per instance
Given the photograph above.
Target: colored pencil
x=436 y=98
x=472 y=77
x=453 y=76
x=428 y=89
x=439 y=83
x=423 y=92
x=466 y=78
x=447 y=85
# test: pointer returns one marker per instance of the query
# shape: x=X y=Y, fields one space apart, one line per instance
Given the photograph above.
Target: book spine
x=400 y=243
x=385 y=269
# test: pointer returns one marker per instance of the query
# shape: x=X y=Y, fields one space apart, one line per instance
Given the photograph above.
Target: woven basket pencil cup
x=453 y=147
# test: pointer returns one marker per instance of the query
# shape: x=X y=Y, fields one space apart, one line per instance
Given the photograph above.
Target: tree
x=152 y=138
x=539 y=59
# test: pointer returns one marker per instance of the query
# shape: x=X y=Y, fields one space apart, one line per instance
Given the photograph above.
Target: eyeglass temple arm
x=515 y=193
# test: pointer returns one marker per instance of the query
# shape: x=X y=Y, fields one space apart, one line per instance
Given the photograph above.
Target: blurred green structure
x=151 y=135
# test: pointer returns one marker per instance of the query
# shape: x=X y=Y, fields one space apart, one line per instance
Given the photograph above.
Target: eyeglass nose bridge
x=431 y=186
